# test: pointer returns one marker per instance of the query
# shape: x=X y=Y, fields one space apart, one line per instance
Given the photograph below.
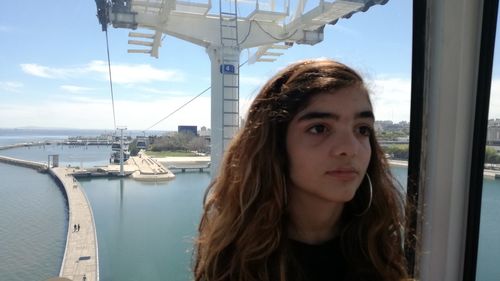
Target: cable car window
x=65 y=81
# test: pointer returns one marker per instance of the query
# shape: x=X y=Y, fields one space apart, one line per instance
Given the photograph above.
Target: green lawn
x=169 y=153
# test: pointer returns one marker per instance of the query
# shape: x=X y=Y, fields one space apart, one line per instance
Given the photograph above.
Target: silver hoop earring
x=371 y=196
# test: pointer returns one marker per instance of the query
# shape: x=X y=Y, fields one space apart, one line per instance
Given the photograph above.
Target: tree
x=132 y=147
x=199 y=144
x=491 y=156
x=181 y=142
x=397 y=151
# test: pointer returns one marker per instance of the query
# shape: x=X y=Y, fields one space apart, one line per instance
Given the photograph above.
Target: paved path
x=81 y=254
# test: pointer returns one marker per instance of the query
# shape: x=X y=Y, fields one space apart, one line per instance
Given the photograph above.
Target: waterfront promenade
x=81 y=254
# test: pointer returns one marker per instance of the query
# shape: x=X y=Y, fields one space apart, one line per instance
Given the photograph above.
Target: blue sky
x=54 y=68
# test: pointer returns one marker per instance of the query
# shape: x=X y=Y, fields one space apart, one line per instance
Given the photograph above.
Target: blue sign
x=226 y=68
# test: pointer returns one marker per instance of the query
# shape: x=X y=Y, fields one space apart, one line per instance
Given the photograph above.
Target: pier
x=25 y=144
x=81 y=254
x=184 y=169
x=24 y=163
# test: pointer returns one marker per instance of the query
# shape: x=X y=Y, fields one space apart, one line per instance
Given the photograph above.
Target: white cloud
x=391 y=98
x=44 y=71
x=134 y=73
x=75 y=89
x=121 y=73
x=494 y=111
x=87 y=113
x=11 y=86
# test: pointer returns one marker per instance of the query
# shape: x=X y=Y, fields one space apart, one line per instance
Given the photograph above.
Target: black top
x=323 y=262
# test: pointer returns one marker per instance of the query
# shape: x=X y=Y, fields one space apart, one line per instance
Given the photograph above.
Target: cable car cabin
x=116 y=146
x=115 y=157
x=141 y=144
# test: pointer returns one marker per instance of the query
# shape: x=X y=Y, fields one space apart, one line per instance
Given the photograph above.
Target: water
x=13 y=136
x=33 y=225
x=144 y=230
x=489 y=233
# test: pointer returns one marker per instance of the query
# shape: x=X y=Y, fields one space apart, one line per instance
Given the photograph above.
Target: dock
x=24 y=163
x=184 y=169
x=24 y=144
x=81 y=255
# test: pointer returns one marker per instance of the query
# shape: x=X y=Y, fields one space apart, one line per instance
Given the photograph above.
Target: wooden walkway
x=81 y=254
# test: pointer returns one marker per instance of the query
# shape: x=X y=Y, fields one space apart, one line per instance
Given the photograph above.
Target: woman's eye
x=317 y=129
x=364 y=131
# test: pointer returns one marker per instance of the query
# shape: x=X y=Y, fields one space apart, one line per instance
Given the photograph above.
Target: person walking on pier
x=74 y=228
x=304 y=191
x=78 y=227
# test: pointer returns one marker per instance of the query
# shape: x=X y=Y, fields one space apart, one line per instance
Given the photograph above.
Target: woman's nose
x=343 y=144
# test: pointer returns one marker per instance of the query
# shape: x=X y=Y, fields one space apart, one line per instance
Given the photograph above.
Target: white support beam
x=135 y=51
x=266 y=60
x=141 y=43
x=452 y=58
x=323 y=14
x=141 y=35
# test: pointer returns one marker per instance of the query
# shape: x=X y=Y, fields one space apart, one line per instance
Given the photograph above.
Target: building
x=493 y=134
x=389 y=126
x=186 y=129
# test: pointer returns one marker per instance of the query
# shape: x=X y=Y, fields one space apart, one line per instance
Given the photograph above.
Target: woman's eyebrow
x=365 y=114
x=331 y=115
x=318 y=115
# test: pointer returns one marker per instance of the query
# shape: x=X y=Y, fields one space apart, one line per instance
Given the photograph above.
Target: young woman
x=304 y=191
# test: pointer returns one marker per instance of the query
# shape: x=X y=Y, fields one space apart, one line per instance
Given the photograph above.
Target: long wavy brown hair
x=243 y=231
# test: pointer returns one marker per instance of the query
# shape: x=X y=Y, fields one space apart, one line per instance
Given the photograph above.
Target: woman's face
x=328 y=146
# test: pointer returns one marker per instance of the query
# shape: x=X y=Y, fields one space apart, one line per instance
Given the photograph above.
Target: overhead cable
x=180 y=107
x=110 y=80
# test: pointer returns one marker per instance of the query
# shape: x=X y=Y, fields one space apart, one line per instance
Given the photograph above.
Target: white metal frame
x=177 y=18
x=452 y=52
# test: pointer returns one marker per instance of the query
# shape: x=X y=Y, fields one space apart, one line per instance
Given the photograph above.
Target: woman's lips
x=343 y=174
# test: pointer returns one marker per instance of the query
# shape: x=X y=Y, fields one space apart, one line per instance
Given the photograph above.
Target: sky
x=54 y=70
